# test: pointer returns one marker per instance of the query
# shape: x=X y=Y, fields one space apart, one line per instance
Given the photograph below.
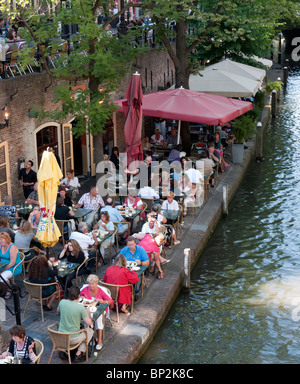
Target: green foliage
x=94 y=58
x=260 y=99
x=274 y=85
x=244 y=127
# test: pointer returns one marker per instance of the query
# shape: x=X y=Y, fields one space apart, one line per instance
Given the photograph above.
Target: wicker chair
x=114 y=290
x=35 y=294
x=39 y=347
x=61 y=341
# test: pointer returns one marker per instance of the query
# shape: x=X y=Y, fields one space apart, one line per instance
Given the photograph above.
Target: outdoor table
x=99 y=239
x=80 y=213
x=131 y=216
x=64 y=272
x=141 y=274
x=101 y=307
x=24 y=210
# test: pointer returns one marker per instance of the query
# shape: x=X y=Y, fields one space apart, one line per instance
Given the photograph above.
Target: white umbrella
x=240 y=69
x=222 y=83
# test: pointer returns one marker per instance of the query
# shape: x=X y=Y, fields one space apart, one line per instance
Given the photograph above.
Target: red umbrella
x=134 y=118
x=185 y=105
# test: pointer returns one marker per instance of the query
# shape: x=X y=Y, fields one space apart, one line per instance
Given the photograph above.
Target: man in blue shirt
x=134 y=252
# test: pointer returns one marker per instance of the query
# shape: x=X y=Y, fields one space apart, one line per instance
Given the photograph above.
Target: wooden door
x=67 y=147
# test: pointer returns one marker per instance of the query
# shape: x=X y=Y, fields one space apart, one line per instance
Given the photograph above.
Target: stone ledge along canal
x=244 y=303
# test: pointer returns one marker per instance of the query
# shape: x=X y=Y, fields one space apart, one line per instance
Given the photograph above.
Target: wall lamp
x=6 y=115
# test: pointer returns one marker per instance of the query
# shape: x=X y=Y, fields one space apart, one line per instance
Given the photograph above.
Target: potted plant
x=243 y=127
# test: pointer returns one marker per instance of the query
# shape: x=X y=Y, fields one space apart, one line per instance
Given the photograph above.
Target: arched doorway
x=48 y=135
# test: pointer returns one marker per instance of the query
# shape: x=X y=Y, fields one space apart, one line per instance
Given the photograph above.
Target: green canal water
x=244 y=303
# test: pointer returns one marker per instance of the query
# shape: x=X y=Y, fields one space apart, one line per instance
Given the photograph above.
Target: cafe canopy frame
x=186 y=105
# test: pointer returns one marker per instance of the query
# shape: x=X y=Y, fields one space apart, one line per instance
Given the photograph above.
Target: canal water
x=244 y=301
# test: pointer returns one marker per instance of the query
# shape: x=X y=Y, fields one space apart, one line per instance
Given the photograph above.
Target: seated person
x=134 y=252
x=93 y=201
x=115 y=216
x=208 y=167
x=148 y=193
x=152 y=245
x=71 y=315
x=85 y=241
x=170 y=203
x=156 y=211
x=93 y=290
x=22 y=343
x=40 y=273
x=118 y=274
x=135 y=202
x=172 y=139
x=7 y=209
x=189 y=189
x=74 y=254
x=23 y=239
x=157 y=138
x=33 y=197
x=151 y=226
x=63 y=194
x=5 y=227
x=63 y=212
x=105 y=224
x=175 y=153
x=35 y=217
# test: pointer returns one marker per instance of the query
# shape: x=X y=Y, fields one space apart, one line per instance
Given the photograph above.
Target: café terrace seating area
x=176 y=223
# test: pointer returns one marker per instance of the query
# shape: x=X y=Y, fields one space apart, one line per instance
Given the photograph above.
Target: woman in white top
x=157 y=138
x=170 y=203
x=70 y=181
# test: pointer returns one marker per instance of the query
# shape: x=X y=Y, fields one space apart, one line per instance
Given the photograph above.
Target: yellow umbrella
x=48 y=176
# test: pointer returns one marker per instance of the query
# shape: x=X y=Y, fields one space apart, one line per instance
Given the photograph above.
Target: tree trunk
x=182 y=61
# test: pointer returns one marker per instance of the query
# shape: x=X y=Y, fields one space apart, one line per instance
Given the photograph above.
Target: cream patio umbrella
x=48 y=176
x=222 y=83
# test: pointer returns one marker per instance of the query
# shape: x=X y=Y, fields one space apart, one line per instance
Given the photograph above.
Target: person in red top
x=118 y=274
x=152 y=246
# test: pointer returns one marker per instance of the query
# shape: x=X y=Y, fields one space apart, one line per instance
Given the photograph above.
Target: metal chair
x=35 y=294
x=114 y=289
x=92 y=258
x=39 y=347
x=61 y=341
x=114 y=244
x=149 y=203
x=24 y=250
x=21 y=262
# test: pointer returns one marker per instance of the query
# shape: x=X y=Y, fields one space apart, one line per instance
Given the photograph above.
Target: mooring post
x=259 y=141
x=225 y=199
x=274 y=103
x=279 y=91
x=187 y=268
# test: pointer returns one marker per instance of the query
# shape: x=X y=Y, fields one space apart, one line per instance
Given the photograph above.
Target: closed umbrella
x=134 y=119
x=48 y=176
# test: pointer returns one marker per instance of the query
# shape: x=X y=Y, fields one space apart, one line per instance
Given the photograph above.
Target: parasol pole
x=178 y=132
